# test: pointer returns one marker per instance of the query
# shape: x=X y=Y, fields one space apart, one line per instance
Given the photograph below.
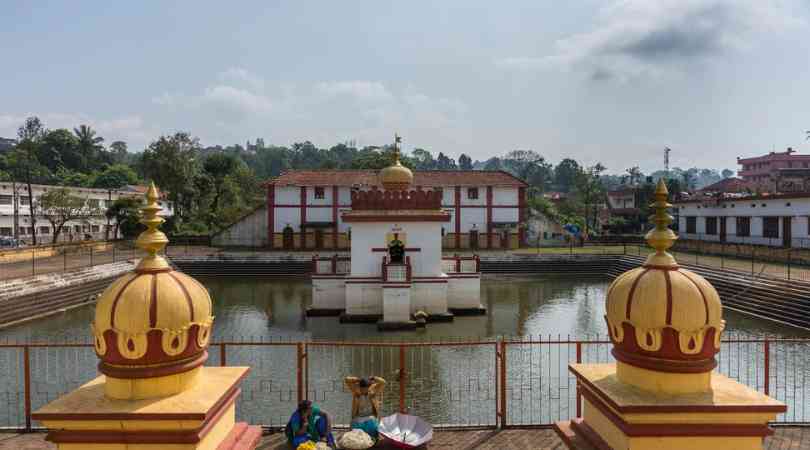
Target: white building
x=94 y=227
x=396 y=270
x=305 y=209
x=776 y=220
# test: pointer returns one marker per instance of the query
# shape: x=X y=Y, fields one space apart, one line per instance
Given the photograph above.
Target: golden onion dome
x=396 y=177
x=154 y=321
x=660 y=316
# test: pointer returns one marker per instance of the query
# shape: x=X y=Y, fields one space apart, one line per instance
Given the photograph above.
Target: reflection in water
x=449 y=384
x=256 y=309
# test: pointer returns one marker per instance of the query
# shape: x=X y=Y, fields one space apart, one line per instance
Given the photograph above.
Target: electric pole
x=666 y=159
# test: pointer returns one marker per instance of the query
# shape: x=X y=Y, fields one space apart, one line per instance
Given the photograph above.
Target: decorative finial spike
x=152 y=240
x=661 y=237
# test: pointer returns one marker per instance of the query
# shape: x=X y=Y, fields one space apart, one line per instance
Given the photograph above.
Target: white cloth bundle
x=356 y=440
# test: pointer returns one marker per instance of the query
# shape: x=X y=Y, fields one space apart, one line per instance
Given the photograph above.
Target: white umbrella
x=406 y=431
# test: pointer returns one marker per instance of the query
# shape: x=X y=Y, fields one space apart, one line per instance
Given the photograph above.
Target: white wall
x=423 y=235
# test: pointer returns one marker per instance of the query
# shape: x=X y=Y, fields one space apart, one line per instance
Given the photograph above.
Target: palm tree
x=89 y=145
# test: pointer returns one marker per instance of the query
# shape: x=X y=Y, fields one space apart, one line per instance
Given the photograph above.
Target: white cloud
x=656 y=37
x=241 y=76
x=361 y=90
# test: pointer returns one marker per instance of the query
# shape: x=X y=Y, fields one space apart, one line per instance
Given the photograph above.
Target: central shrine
x=396 y=272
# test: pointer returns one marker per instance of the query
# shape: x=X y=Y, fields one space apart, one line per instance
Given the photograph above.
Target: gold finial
x=397 y=141
x=152 y=240
x=661 y=237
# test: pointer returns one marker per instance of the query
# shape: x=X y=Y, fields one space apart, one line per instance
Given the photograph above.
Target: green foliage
x=58 y=206
x=172 y=163
x=115 y=176
x=124 y=212
x=565 y=175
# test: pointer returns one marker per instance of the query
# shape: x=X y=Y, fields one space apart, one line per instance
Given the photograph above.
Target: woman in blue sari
x=309 y=423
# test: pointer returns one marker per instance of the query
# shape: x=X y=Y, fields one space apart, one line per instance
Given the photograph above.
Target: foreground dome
x=662 y=317
x=154 y=321
x=396 y=177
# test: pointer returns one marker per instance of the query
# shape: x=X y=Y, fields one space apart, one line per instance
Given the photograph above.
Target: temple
x=665 y=324
x=396 y=270
x=151 y=331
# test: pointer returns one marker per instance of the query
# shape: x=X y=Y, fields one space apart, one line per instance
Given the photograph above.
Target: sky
x=598 y=81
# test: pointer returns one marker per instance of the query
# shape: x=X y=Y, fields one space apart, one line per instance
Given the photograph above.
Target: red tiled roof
x=727 y=185
x=428 y=178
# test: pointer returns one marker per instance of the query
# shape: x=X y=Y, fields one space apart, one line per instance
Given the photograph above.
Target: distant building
x=94 y=227
x=623 y=203
x=780 y=220
x=765 y=173
x=727 y=186
x=6 y=144
x=304 y=209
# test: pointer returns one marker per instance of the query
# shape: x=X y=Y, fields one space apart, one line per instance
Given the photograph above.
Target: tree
x=465 y=162
x=529 y=166
x=124 y=211
x=565 y=174
x=218 y=167
x=171 y=162
x=88 y=145
x=727 y=173
x=493 y=163
x=59 y=149
x=634 y=175
x=58 y=206
x=444 y=162
x=590 y=193
x=688 y=180
x=115 y=177
x=119 y=152
x=26 y=164
x=422 y=159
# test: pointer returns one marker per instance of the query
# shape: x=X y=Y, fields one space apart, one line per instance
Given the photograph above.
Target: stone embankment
x=28 y=298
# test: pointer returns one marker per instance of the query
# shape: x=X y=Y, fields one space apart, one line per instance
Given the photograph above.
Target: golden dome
x=660 y=316
x=155 y=321
x=396 y=177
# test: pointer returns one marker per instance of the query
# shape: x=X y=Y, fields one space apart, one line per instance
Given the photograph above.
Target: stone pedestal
x=618 y=416
x=201 y=417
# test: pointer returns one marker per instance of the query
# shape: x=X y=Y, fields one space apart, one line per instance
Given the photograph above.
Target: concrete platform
x=512 y=439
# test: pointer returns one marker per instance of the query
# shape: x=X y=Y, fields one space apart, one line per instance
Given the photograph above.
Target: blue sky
x=608 y=81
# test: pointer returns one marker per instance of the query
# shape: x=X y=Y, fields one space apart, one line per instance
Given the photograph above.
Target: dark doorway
x=504 y=238
x=287 y=238
x=722 y=229
x=318 y=238
x=474 y=239
x=787 y=234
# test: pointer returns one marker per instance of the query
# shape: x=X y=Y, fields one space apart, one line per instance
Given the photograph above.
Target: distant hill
x=6 y=144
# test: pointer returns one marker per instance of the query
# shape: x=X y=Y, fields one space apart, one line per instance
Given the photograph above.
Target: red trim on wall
x=522 y=217
x=335 y=216
x=397 y=218
x=329 y=205
x=407 y=249
x=303 y=207
x=458 y=216
x=271 y=214
x=489 y=217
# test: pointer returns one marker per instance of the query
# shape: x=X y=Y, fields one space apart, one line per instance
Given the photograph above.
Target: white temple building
x=396 y=275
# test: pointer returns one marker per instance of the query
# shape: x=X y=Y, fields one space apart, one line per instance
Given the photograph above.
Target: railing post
x=767 y=366
x=34 y=260
x=504 y=421
x=91 y=255
x=300 y=372
x=27 y=393
x=579 y=394
x=402 y=379
x=788 y=263
x=64 y=259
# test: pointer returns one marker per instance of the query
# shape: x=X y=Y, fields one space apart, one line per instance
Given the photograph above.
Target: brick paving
x=792 y=438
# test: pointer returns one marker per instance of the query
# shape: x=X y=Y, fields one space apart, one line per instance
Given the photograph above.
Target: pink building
x=764 y=170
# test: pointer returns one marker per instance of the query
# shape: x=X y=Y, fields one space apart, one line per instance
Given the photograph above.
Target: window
x=5 y=199
x=92 y=203
x=319 y=193
x=5 y=231
x=77 y=228
x=743 y=226
x=472 y=193
x=770 y=227
x=44 y=230
x=96 y=228
x=24 y=200
x=691 y=225
x=711 y=225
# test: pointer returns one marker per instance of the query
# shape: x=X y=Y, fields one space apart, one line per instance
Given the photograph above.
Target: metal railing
x=331 y=265
x=494 y=383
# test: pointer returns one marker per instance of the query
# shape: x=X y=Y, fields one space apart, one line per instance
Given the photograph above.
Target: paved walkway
x=534 y=439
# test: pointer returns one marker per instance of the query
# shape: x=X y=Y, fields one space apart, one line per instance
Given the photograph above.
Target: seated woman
x=366 y=402
x=309 y=423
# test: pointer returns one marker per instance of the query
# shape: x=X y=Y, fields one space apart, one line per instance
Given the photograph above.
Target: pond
x=455 y=383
